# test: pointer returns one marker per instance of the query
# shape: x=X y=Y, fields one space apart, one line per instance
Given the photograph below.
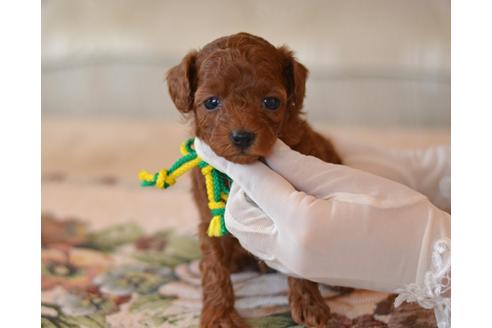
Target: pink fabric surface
x=90 y=167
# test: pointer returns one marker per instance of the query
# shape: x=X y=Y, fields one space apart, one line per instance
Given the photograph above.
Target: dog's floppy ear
x=295 y=76
x=181 y=81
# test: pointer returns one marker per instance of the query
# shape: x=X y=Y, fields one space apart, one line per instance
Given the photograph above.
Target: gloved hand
x=338 y=225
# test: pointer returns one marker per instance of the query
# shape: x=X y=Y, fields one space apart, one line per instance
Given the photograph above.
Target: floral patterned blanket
x=113 y=255
x=121 y=277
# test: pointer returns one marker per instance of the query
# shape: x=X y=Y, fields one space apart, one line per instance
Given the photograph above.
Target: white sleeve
x=426 y=170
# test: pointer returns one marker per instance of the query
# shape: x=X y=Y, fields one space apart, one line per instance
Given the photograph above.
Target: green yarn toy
x=216 y=182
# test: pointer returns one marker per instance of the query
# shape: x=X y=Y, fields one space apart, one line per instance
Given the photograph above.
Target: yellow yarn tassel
x=145 y=176
x=161 y=179
x=214 y=227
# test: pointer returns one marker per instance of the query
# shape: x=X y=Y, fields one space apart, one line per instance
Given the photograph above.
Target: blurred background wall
x=373 y=63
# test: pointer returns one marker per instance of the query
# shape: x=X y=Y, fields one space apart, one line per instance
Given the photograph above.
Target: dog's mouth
x=242 y=157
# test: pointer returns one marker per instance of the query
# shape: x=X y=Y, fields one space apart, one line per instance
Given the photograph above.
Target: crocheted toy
x=216 y=182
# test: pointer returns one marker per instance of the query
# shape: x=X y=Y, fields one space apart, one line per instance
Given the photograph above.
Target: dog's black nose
x=242 y=139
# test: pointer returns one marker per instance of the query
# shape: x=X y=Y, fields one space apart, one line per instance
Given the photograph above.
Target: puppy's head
x=242 y=92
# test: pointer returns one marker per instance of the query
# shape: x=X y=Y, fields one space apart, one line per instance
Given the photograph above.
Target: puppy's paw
x=230 y=319
x=306 y=304
x=311 y=314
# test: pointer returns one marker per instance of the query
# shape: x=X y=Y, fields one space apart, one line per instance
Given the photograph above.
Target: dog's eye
x=271 y=103
x=211 y=103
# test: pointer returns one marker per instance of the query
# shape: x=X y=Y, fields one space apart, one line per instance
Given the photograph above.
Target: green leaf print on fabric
x=274 y=321
x=110 y=238
x=150 y=302
x=136 y=278
x=53 y=317
x=153 y=311
x=167 y=248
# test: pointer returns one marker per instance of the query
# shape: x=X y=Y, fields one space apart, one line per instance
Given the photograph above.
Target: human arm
x=337 y=225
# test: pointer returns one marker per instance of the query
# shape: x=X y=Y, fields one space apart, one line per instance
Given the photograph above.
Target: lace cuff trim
x=437 y=283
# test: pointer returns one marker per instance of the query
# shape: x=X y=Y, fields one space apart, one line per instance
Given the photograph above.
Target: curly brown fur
x=241 y=70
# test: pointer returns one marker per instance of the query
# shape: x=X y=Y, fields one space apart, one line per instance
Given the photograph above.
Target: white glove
x=341 y=226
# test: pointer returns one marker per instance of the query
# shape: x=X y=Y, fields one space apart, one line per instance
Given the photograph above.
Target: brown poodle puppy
x=243 y=93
